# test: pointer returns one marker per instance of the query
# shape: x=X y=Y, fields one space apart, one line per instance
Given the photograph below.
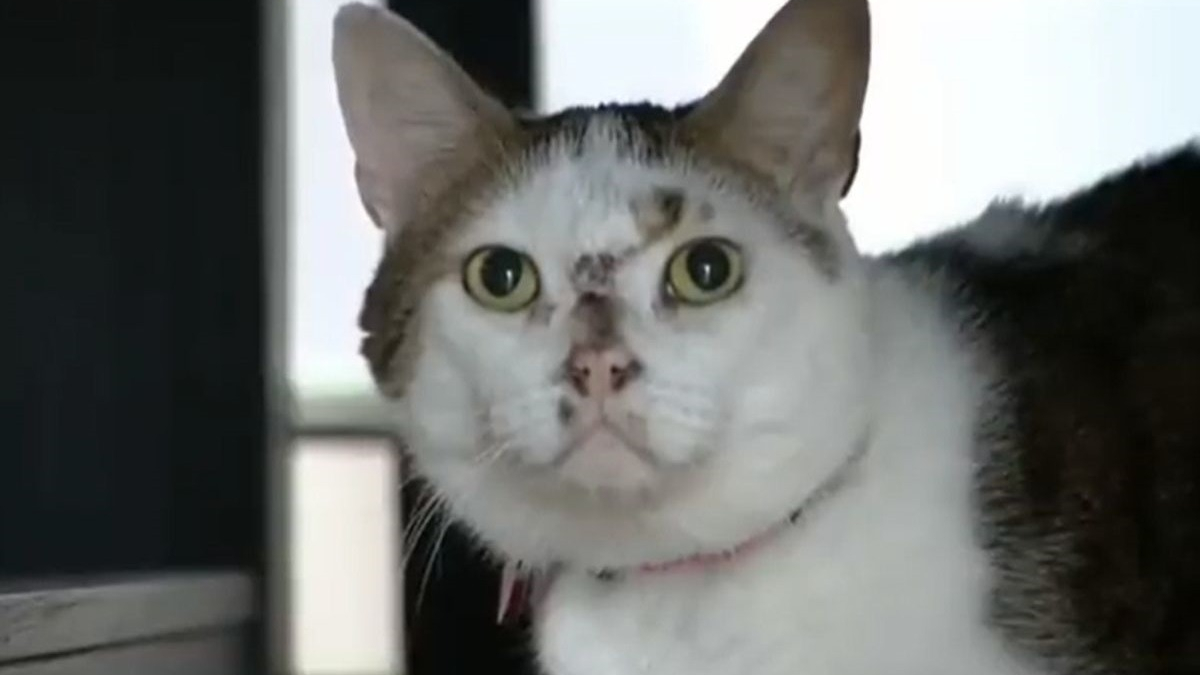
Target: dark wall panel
x=131 y=241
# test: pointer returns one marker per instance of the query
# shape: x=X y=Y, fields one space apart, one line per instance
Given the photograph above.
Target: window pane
x=344 y=554
x=334 y=245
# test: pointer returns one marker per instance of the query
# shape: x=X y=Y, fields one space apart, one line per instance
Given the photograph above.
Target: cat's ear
x=789 y=107
x=410 y=111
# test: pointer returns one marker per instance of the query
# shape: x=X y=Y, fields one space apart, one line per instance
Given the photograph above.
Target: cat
x=635 y=351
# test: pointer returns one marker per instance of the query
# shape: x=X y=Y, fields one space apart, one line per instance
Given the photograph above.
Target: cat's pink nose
x=601 y=372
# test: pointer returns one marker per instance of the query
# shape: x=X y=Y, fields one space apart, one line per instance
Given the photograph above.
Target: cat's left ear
x=789 y=108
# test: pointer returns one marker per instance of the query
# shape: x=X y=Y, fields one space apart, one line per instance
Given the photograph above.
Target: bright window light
x=967 y=101
x=345 y=558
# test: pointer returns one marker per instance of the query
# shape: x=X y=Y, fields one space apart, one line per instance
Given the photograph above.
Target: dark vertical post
x=131 y=267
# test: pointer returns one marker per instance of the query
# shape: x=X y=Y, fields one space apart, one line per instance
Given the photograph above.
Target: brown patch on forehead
x=658 y=212
x=655 y=135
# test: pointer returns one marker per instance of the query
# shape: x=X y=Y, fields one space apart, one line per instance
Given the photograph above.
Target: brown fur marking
x=593 y=272
x=416 y=257
x=658 y=213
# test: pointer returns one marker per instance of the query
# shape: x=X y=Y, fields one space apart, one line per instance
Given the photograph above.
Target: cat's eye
x=704 y=271
x=500 y=278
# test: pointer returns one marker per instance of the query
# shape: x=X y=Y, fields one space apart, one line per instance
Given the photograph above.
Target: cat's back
x=1090 y=477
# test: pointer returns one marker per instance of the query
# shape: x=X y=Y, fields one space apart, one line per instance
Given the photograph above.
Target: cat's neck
x=859 y=575
x=912 y=451
x=807 y=508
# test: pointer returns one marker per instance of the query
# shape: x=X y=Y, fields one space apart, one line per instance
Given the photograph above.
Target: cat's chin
x=605 y=465
x=615 y=513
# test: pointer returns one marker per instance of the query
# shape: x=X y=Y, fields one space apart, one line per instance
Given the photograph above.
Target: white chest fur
x=885 y=578
x=822 y=602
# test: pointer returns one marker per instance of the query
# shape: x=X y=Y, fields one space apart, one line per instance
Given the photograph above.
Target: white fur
x=750 y=405
x=885 y=577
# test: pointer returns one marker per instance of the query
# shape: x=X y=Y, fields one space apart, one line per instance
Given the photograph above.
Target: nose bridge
x=594 y=321
x=595 y=273
x=599 y=364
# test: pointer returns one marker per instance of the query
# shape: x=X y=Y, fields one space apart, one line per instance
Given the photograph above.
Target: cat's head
x=624 y=334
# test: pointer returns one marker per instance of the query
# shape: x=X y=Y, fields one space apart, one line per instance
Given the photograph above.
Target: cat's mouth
x=608 y=454
x=606 y=432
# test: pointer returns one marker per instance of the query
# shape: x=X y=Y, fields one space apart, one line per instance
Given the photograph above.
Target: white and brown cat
x=636 y=348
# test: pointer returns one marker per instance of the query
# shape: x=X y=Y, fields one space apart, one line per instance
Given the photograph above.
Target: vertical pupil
x=501 y=271
x=708 y=266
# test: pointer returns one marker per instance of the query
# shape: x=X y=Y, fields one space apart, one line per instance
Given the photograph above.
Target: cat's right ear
x=410 y=111
x=789 y=108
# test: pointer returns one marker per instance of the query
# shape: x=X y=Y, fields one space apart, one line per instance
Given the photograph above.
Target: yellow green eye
x=501 y=279
x=704 y=271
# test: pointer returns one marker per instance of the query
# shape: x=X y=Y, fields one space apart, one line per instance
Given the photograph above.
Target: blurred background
x=191 y=455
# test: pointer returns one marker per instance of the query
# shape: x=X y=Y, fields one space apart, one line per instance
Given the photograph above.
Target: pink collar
x=702 y=561
x=521 y=588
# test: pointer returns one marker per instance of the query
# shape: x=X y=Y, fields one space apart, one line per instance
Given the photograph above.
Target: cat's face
x=677 y=353
x=610 y=340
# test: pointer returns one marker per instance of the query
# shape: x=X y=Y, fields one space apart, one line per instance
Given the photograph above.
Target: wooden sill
x=184 y=622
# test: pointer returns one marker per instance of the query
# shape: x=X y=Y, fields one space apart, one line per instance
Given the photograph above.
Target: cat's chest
x=908 y=603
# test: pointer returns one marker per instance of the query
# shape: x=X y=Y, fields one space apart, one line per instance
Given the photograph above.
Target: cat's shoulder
x=1090 y=307
x=1113 y=264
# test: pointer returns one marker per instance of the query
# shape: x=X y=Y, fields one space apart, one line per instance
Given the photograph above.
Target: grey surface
x=52 y=617
x=349 y=411
x=213 y=653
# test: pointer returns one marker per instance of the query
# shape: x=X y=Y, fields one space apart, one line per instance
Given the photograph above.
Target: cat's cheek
x=436 y=413
x=541 y=445
x=675 y=444
x=433 y=431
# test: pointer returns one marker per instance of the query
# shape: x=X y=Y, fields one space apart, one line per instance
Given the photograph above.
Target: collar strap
x=701 y=561
x=521 y=587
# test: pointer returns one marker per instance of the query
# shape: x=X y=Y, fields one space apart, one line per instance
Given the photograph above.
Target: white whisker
x=423 y=517
x=447 y=523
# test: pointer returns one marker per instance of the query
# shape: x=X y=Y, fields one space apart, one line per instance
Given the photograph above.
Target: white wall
x=969 y=98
